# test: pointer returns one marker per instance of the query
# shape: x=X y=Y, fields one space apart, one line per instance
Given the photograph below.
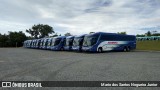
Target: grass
x=148 y=45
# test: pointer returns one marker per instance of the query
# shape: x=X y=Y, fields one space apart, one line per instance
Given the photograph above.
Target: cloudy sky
x=81 y=16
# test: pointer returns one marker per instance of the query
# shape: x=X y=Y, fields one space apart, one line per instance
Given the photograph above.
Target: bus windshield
x=41 y=43
x=44 y=42
x=69 y=42
x=56 y=41
x=90 y=40
x=76 y=41
x=49 y=42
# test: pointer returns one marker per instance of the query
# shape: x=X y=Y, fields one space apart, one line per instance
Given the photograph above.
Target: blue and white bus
x=78 y=42
x=29 y=43
x=45 y=43
x=58 y=43
x=38 y=41
x=100 y=41
x=148 y=38
x=25 y=43
x=69 y=43
x=41 y=43
x=33 y=43
x=49 y=43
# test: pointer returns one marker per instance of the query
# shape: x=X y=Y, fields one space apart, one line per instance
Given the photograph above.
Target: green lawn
x=148 y=45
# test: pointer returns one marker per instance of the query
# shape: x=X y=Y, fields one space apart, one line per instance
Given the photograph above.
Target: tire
x=128 y=49
x=125 y=49
x=62 y=49
x=100 y=50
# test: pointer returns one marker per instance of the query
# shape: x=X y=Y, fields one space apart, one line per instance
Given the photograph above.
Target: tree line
x=149 y=33
x=13 y=39
x=16 y=39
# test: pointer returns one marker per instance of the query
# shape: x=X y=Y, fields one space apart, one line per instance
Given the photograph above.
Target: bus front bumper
x=76 y=48
x=87 y=49
x=55 y=48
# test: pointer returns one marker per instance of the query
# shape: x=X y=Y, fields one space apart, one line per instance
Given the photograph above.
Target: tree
x=16 y=39
x=68 y=34
x=124 y=33
x=156 y=34
x=40 y=31
x=140 y=35
x=13 y=39
x=3 y=40
x=148 y=33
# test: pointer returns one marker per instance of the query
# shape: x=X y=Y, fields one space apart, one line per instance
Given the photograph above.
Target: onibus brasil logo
x=20 y=84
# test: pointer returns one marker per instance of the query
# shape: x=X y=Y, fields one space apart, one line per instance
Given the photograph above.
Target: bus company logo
x=112 y=42
x=6 y=84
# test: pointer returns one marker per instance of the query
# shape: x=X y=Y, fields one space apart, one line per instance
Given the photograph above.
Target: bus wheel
x=62 y=49
x=100 y=50
x=128 y=49
x=125 y=49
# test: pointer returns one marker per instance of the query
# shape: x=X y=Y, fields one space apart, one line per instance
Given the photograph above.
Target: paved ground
x=43 y=65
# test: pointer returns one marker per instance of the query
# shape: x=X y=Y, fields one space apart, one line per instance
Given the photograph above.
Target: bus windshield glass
x=49 y=42
x=69 y=41
x=57 y=41
x=90 y=40
x=44 y=42
x=41 y=43
x=76 y=41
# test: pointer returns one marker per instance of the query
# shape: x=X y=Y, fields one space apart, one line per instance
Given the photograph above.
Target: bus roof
x=81 y=35
x=70 y=36
x=107 y=34
x=60 y=37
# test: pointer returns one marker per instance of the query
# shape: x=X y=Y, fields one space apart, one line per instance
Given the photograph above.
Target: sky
x=81 y=16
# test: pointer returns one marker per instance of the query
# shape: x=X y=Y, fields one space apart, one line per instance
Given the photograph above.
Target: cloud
x=79 y=17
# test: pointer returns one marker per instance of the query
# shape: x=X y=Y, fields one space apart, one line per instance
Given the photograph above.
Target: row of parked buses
x=96 y=42
x=148 y=38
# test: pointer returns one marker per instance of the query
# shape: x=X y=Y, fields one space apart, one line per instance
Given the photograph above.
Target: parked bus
x=45 y=43
x=78 y=42
x=148 y=38
x=69 y=43
x=41 y=43
x=49 y=43
x=58 y=43
x=33 y=43
x=29 y=43
x=100 y=41
x=37 y=44
x=25 y=43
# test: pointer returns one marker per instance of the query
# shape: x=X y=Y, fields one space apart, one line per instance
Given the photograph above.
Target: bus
x=41 y=43
x=69 y=43
x=29 y=43
x=38 y=41
x=100 y=41
x=49 y=43
x=45 y=43
x=78 y=42
x=148 y=38
x=25 y=43
x=33 y=43
x=58 y=43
